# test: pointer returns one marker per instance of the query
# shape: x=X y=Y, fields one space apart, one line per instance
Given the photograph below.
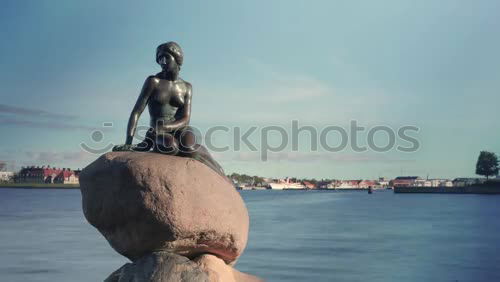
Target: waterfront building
x=47 y=175
x=405 y=181
x=349 y=184
x=382 y=182
x=6 y=176
x=441 y=183
x=365 y=184
x=421 y=183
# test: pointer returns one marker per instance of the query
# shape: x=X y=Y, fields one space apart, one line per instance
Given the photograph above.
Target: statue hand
x=121 y=148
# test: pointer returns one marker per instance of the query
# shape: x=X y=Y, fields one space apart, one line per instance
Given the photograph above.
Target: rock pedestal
x=169 y=215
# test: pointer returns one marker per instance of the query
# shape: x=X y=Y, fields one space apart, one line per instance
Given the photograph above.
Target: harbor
x=400 y=184
x=47 y=177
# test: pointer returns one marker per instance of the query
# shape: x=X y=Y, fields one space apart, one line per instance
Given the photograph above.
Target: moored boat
x=286 y=184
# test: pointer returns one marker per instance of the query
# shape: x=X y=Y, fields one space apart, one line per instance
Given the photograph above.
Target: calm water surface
x=294 y=236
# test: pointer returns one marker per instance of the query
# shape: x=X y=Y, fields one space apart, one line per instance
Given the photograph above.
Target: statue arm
x=184 y=121
x=141 y=103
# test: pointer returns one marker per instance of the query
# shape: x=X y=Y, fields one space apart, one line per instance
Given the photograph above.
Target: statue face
x=167 y=62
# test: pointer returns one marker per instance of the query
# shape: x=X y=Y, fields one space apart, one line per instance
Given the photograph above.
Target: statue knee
x=187 y=141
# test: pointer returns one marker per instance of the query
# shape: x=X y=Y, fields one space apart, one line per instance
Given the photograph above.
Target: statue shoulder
x=150 y=84
x=189 y=87
x=152 y=80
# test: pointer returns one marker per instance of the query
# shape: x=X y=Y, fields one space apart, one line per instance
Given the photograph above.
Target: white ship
x=286 y=184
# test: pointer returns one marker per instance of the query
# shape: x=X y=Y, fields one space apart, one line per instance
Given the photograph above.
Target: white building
x=422 y=183
x=433 y=183
x=349 y=184
x=382 y=182
x=71 y=179
x=441 y=183
x=6 y=175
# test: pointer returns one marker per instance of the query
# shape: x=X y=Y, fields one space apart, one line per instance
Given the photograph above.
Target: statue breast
x=168 y=92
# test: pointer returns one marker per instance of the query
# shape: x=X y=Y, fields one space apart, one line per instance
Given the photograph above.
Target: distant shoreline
x=39 y=186
x=491 y=188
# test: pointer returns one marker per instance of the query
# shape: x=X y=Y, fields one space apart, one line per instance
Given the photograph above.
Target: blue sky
x=430 y=64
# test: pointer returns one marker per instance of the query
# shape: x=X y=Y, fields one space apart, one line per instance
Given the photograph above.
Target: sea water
x=294 y=236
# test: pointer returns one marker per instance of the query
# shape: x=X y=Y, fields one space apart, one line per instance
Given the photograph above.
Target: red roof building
x=47 y=175
x=368 y=184
x=404 y=181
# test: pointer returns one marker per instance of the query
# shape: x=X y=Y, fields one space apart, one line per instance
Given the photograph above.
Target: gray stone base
x=169 y=267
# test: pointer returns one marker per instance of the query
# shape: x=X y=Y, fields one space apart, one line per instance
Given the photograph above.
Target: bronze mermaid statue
x=168 y=98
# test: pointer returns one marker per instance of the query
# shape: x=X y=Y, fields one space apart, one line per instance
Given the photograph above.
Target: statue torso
x=166 y=102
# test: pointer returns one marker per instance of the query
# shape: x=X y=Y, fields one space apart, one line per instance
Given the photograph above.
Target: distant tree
x=487 y=164
x=258 y=179
x=2 y=165
x=15 y=177
x=244 y=178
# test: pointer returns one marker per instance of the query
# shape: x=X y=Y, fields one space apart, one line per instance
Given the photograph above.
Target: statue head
x=169 y=56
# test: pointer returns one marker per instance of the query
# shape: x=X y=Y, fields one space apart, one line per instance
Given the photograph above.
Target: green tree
x=2 y=165
x=487 y=164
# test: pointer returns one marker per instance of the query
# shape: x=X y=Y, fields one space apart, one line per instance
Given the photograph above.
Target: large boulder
x=168 y=267
x=143 y=202
x=218 y=271
x=160 y=267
